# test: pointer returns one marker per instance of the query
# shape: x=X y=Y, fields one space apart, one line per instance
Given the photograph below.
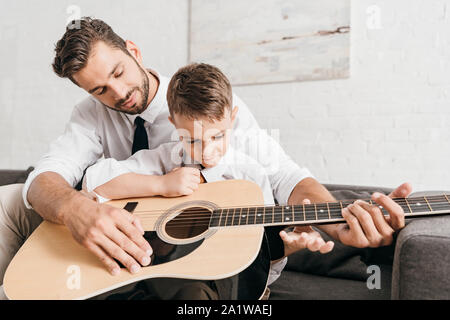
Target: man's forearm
x=310 y=188
x=51 y=196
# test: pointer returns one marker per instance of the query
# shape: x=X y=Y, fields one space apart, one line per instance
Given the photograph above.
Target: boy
x=200 y=105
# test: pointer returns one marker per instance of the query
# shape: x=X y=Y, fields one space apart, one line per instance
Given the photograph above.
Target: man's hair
x=199 y=90
x=74 y=48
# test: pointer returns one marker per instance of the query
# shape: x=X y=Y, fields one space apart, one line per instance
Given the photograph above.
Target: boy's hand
x=180 y=181
x=304 y=237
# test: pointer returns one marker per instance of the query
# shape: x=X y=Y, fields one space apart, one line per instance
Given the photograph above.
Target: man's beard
x=136 y=108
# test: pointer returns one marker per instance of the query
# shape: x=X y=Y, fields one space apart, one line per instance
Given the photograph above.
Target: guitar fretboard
x=320 y=213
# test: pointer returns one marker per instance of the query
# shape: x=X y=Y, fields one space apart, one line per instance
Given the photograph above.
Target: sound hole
x=189 y=223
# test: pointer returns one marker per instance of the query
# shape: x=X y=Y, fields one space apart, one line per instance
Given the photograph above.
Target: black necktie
x=140 y=140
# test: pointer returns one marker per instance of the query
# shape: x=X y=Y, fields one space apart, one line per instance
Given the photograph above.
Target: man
x=127 y=111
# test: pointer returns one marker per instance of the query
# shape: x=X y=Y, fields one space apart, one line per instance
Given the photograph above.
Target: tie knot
x=139 y=121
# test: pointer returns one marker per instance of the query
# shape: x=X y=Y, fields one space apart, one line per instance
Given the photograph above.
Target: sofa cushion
x=303 y=286
x=14 y=176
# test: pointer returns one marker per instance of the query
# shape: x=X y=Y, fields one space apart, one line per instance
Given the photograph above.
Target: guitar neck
x=320 y=213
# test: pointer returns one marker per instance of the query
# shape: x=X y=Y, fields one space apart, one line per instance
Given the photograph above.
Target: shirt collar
x=218 y=172
x=157 y=103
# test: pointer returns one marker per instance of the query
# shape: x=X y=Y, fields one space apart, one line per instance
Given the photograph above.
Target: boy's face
x=205 y=141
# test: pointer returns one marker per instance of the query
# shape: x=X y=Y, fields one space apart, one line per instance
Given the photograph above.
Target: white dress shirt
x=233 y=165
x=95 y=130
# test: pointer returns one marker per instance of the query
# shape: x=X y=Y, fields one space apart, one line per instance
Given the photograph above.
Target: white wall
x=388 y=123
x=35 y=104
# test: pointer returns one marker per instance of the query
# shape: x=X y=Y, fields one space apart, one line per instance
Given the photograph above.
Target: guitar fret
x=310 y=214
x=427 y=203
x=335 y=210
x=328 y=209
x=221 y=218
x=240 y=217
x=438 y=203
x=297 y=213
x=322 y=211
x=404 y=204
x=228 y=221
x=315 y=211
x=446 y=198
x=267 y=215
x=278 y=215
x=236 y=218
x=215 y=218
x=409 y=207
x=286 y=216
x=251 y=217
x=248 y=213
x=264 y=215
x=416 y=205
x=258 y=217
x=273 y=214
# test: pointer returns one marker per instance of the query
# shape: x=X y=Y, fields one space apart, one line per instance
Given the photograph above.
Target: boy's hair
x=73 y=49
x=199 y=90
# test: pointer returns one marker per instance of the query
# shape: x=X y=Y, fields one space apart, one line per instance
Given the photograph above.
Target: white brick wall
x=388 y=123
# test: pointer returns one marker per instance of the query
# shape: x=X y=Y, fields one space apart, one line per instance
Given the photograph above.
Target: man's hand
x=304 y=237
x=180 y=181
x=110 y=233
x=367 y=226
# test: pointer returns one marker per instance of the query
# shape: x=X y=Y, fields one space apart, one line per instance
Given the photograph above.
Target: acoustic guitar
x=215 y=233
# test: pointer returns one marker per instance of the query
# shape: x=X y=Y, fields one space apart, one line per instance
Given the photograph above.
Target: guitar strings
x=406 y=200
x=205 y=220
x=331 y=212
x=278 y=210
x=436 y=202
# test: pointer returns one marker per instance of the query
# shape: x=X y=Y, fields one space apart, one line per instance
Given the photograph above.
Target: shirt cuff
x=275 y=270
x=102 y=173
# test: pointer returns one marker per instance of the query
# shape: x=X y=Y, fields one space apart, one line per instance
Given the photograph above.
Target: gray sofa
x=415 y=267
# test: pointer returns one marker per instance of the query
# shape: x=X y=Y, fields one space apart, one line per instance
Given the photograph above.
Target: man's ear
x=234 y=113
x=134 y=50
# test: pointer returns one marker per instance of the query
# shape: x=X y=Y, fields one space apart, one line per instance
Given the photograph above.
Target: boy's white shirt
x=168 y=156
x=233 y=165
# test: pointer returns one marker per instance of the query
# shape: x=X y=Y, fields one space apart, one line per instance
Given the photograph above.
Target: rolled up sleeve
x=73 y=152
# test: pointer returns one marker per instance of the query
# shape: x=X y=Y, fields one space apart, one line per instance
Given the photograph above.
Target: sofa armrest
x=422 y=260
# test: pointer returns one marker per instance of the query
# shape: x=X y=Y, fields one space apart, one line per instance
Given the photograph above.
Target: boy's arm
x=131 y=185
x=141 y=175
x=178 y=182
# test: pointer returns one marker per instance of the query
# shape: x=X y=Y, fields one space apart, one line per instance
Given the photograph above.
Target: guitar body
x=52 y=265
